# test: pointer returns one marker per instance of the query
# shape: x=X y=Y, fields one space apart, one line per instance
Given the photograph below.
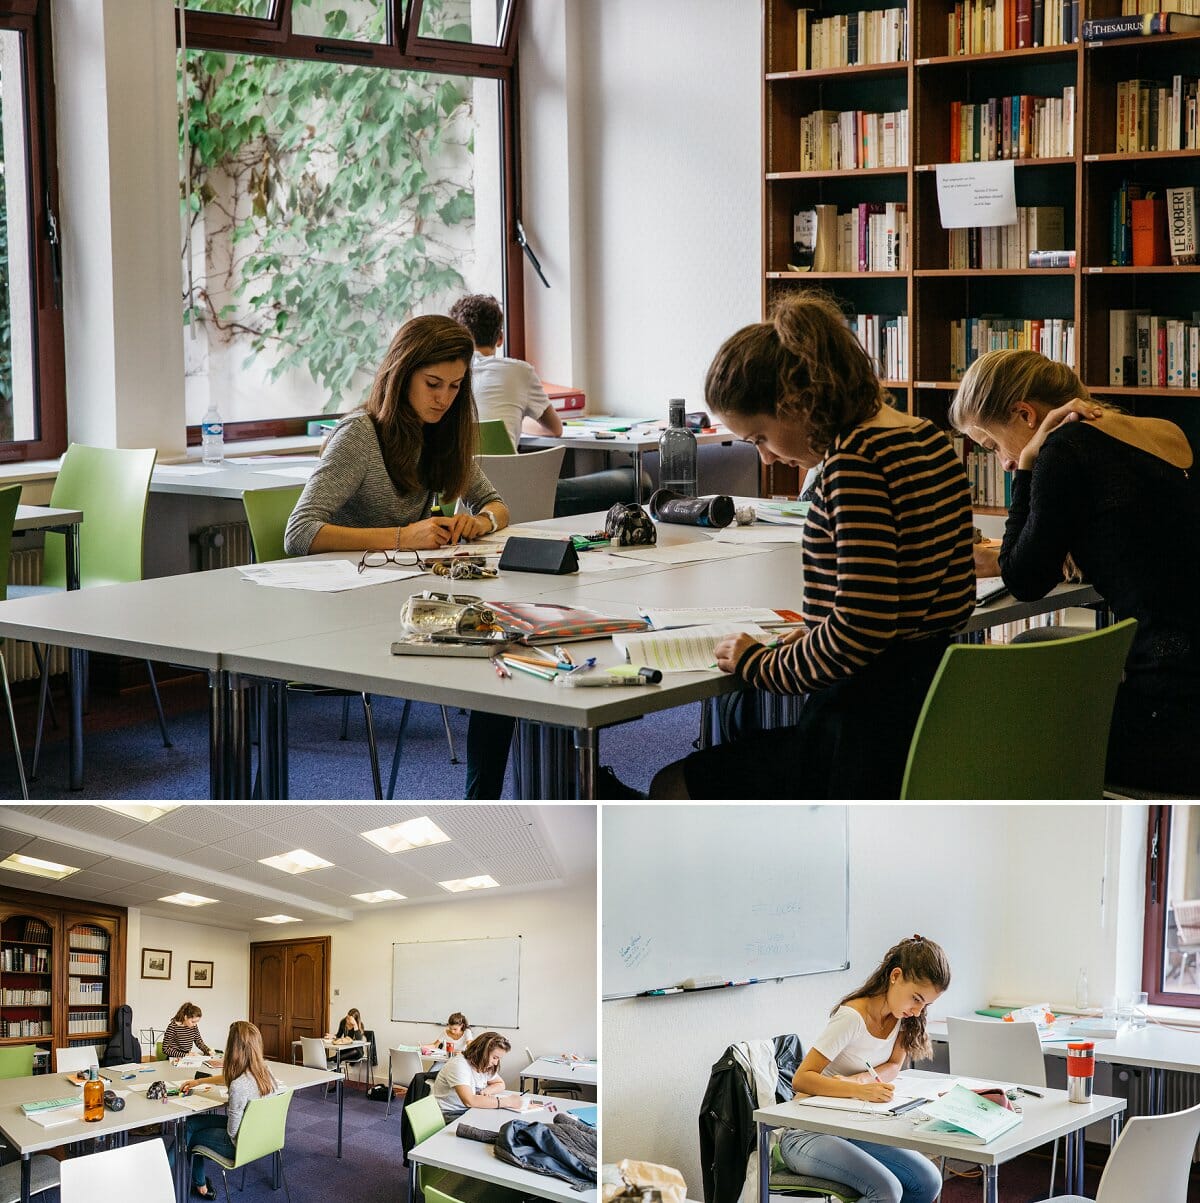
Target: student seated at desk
x=380 y=475
x=248 y=1078
x=183 y=1032
x=863 y=1047
x=471 y=1078
x=1117 y=493
x=352 y=1028
x=456 y=1035
x=509 y=391
x=887 y=564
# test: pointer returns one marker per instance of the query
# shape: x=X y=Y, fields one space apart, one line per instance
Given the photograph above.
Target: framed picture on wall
x=156 y=963
x=200 y=975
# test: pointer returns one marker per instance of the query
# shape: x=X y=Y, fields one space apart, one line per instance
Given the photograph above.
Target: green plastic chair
x=444 y=1186
x=494 y=438
x=803 y=1186
x=1023 y=720
x=10 y=498
x=111 y=485
x=159 y=1055
x=262 y=1133
x=16 y=1061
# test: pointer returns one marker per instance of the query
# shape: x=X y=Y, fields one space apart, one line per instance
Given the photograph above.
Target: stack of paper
x=58 y=1115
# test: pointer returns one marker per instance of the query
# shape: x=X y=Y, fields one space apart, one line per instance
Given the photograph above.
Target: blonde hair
x=998 y=380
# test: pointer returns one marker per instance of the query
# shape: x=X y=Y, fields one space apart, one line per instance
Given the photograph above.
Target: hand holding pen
x=876 y=1091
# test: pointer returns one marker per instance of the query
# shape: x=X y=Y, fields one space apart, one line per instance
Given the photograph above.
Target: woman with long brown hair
x=383 y=469
x=869 y=1035
x=183 y=1032
x=247 y=1076
x=472 y=1078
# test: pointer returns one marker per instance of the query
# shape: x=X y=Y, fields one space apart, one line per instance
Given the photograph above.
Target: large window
x=32 y=398
x=331 y=192
x=1171 y=957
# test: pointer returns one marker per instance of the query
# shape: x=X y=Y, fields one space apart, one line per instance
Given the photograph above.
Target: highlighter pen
x=527 y=668
x=645 y=676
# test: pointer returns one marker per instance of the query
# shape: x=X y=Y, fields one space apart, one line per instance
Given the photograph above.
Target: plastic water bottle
x=677 y=453
x=212 y=435
x=1081 y=990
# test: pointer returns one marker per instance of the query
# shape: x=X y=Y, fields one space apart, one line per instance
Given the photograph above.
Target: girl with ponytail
x=869 y=1035
x=888 y=575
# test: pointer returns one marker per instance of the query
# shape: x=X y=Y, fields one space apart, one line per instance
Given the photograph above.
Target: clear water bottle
x=1081 y=990
x=212 y=436
x=677 y=453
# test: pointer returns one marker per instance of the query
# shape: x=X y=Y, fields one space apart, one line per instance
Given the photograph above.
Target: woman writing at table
x=456 y=1035
x=1117 y=494
x=887 y=564
x=351 y=1028
x=183 y=1032
x=472 y=1078
x=382 y=470
x=863 y=1047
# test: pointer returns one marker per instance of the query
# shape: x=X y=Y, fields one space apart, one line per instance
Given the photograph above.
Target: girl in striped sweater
x=887 y=556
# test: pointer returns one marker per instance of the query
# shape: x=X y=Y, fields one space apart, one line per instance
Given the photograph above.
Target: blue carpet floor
x=124 y=756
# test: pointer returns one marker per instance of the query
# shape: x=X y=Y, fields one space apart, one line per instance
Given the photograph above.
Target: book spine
x=1102 y=29
x=1181 y=218
x=1024 y=23
x=1038 y=23
x=1051 y=258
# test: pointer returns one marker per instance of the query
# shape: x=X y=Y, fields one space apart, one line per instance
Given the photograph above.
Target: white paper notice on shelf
x=977 y=194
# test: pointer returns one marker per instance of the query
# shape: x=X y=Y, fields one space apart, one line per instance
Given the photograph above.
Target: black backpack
x=378 y=1093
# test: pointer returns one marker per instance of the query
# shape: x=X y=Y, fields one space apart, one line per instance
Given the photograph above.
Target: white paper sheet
x=662 y=619
x=323 y=576
x=977 y=194
x=751 y=535
x=599 y=561
x=60 y=1115
x=685 y=650
x=685 y=553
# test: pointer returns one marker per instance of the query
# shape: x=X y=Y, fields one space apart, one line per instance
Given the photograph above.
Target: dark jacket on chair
x=565 y=1149
x=727 y=1129
x=418 y=1088
x=123 y=1048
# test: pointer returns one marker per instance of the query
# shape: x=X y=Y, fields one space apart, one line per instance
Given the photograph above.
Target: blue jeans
x=879 y=1173
x=210 y=1131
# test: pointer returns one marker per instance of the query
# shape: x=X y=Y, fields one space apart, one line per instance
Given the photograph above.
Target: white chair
x=1003 y=1052
x=43 y=1176
x=403 y=1065
x=526 y=483
x=68 y=1060
x=139 y=1171
x=1151 y=1160
x=312 y=1054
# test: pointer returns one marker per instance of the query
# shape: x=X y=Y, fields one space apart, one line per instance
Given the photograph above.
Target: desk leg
x=341 y=1093
x=228 y=737
x=75 y=670
x=991 y=1186
x=412 y=1182
x=637 y=476
x=587 y=750
x=764 y=1163
x=1157 y=1091
x=528 y=747
x=26 y=1169
x=272 y=739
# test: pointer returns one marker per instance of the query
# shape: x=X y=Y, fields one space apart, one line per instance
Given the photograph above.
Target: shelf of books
x=1094 y=103
x=26 y=979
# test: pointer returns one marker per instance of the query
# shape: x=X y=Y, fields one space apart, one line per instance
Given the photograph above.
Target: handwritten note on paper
x=683 y=649
x=977 y=194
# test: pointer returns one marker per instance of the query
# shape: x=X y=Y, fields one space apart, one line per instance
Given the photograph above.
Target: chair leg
x=287 y=1190
x=12 y=726
x=162 y=718
x=398 y=749
x=345 y=731
x=449 y=735
x=372 y=746
x=1053 y=1167
x=43 y=694
x=41 y=667
x=388 y=1111
x=225 y=1179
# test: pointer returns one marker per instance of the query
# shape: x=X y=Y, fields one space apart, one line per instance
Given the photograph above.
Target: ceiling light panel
x=276 y=919
x=469 y=884
x=63 y=854
x=298 y=860
x=143 y=812
x=34 y=866
x=377 y=896
x=183 y=898
x=411 y=834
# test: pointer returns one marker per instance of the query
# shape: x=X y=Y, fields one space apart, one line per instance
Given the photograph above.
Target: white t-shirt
x=458 y=1071
x=459 y=1042
x=507 y=390
x=849 y=1046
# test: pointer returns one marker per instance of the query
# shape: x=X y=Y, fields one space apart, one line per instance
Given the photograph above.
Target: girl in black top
x=1118 y=495
x=352 y=1027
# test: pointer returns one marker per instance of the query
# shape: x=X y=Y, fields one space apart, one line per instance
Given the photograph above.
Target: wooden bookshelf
x=1083 y=183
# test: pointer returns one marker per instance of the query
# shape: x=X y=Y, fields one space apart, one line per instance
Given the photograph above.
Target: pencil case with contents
x=669 y=506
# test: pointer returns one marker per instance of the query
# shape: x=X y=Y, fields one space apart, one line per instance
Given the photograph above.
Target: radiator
x=1182 y=1091
x=225 y=545
x=25 y=568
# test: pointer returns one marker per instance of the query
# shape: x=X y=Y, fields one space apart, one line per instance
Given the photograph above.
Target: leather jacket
x=727 y=1129
x=544 y=1148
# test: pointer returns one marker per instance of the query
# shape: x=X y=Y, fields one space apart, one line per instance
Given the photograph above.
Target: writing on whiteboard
x=635 y=952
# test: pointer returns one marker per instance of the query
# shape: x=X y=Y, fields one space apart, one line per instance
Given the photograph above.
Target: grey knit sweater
x=350 y=486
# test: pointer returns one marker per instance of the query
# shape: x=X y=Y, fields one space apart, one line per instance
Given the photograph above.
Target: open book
x=964 y=1115
x=907 y=1092
x=682 y=649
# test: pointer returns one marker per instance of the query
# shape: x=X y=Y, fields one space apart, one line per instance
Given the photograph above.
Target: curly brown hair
x=479 y=1052
x=804 y=365
x=482 y=315
x=434 y=456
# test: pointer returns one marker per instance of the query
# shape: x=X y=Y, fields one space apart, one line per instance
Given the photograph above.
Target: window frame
x=31 y=19
x=1158 y=859
x=273 y=37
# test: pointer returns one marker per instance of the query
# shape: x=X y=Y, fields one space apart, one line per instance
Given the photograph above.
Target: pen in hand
x=871 y=1070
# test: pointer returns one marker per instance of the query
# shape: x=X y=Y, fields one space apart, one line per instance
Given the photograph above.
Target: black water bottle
x=669 y=506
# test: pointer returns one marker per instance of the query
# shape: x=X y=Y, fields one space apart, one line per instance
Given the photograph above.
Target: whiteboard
x=434 y=978
x=732 y=892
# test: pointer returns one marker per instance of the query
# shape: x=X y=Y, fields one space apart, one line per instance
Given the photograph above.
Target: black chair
x=418 y=1088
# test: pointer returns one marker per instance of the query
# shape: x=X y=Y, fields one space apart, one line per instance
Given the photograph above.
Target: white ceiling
x=214 y=851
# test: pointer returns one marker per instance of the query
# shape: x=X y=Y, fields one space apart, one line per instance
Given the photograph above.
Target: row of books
x=81 y=992
x=851 y=39
x=1037 y=228
x=1157 y=114
x=1152 y=227
x=1013 y=127
x=972 y=337
x=869 y=237
x=87 y=962
x=23 y=960
x=1131 y=8
x=884 y=337
x=990 y=484
x=844 y=141
x=1150 y=24
x=25 y=998
x=1147 y=350
x=84 y=938
x=25 y=1027
x=82 y=1022
x=986 y=26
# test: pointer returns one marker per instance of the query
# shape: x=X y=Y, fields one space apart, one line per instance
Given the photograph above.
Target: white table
x=232 y=478
x=1152 y=1048
x=336 y=1049
x=551 y=1069
x=1044 y=1120
x=473 y=1159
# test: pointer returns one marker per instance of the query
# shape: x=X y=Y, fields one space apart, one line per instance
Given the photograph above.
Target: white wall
x=558 y=965
x=1004 y=889
x=155 y=1002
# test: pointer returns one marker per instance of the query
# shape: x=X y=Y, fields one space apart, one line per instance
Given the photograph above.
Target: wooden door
x=289 y=992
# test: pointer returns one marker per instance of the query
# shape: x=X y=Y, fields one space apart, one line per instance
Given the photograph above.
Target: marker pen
x=645 y=676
